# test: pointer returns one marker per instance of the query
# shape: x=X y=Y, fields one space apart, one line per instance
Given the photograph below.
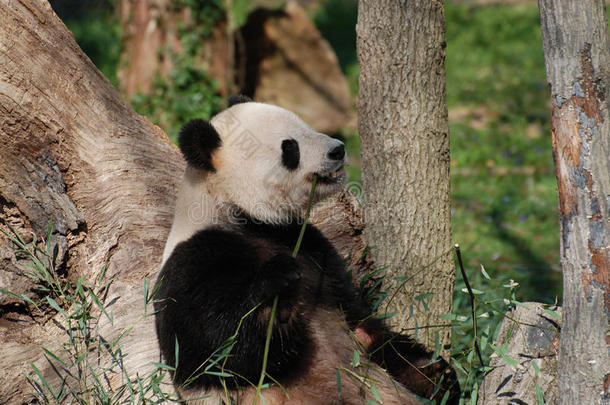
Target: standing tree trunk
x=575 y=40
x=150 y=37
x=152 y=32
x=405 y=149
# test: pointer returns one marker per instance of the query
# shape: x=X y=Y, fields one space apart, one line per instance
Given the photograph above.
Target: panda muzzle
x=334 y=177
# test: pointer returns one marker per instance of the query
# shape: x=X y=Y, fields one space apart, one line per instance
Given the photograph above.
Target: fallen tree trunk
x=73 y=151
x=528 y=341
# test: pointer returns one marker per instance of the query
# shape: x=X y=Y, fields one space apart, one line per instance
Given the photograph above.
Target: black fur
x=238 y=99
x=197 y=141
x=291 y=156
x=213 y=279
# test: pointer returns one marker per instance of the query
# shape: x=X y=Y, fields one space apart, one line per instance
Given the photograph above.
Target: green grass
x=504 y=194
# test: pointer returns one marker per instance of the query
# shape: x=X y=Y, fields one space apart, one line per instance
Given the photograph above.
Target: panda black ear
x=238 y=99
x=197 y=141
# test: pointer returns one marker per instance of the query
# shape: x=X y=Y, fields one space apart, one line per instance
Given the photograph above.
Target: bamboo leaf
x=445 y=398
x=551 y=313
x=56 y=306
x=163 y=366
x=485 y=273
x=535 y=366
x=338 y=382
x=356 y=359
x=474 y=394
x=519 y=304
x=10 y=293
x=54 y=357
x=539 y=395
x=100 y=306
x=219 y=374
x=376 y=394
x=448 y=317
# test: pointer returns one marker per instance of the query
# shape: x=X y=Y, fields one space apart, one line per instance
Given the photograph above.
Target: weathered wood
x=405 y=153
x=577 y=59
x=531 y=336
x=73 y=151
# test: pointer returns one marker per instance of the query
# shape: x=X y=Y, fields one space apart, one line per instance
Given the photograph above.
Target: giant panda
x=238 y=216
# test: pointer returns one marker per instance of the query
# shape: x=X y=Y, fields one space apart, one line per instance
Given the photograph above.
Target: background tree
x=179 y=56
x=575 y=41
x=405 y=154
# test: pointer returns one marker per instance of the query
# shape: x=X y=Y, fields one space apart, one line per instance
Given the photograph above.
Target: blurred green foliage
x=503 y=183
x=336 y=21
x=90 y=34
x=97 y=31
x=186 y=94
x=494 y=58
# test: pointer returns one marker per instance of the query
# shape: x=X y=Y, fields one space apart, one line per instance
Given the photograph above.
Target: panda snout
x=331 y=171
x=337 y=152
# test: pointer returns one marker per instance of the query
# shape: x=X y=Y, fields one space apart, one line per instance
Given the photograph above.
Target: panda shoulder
x=214 y=247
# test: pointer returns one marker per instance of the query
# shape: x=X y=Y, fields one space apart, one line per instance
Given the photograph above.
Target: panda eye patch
x=290 y=154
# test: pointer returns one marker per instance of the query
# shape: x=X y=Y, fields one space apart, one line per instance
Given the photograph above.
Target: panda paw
x=280 y=274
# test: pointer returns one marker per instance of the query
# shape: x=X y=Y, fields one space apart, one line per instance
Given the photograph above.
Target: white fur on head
x=249 y=169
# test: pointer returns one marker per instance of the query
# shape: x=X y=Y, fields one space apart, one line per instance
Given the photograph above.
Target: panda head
x=262 y=159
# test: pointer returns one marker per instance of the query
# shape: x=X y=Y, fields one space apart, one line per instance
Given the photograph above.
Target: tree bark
x=73 y=151
x=577 y=58
x=405 y=154
x=150 y=36
x=151 y=40
x=531 y=337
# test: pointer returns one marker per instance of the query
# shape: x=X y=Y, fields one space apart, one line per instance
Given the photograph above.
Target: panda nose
x=337 y=153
